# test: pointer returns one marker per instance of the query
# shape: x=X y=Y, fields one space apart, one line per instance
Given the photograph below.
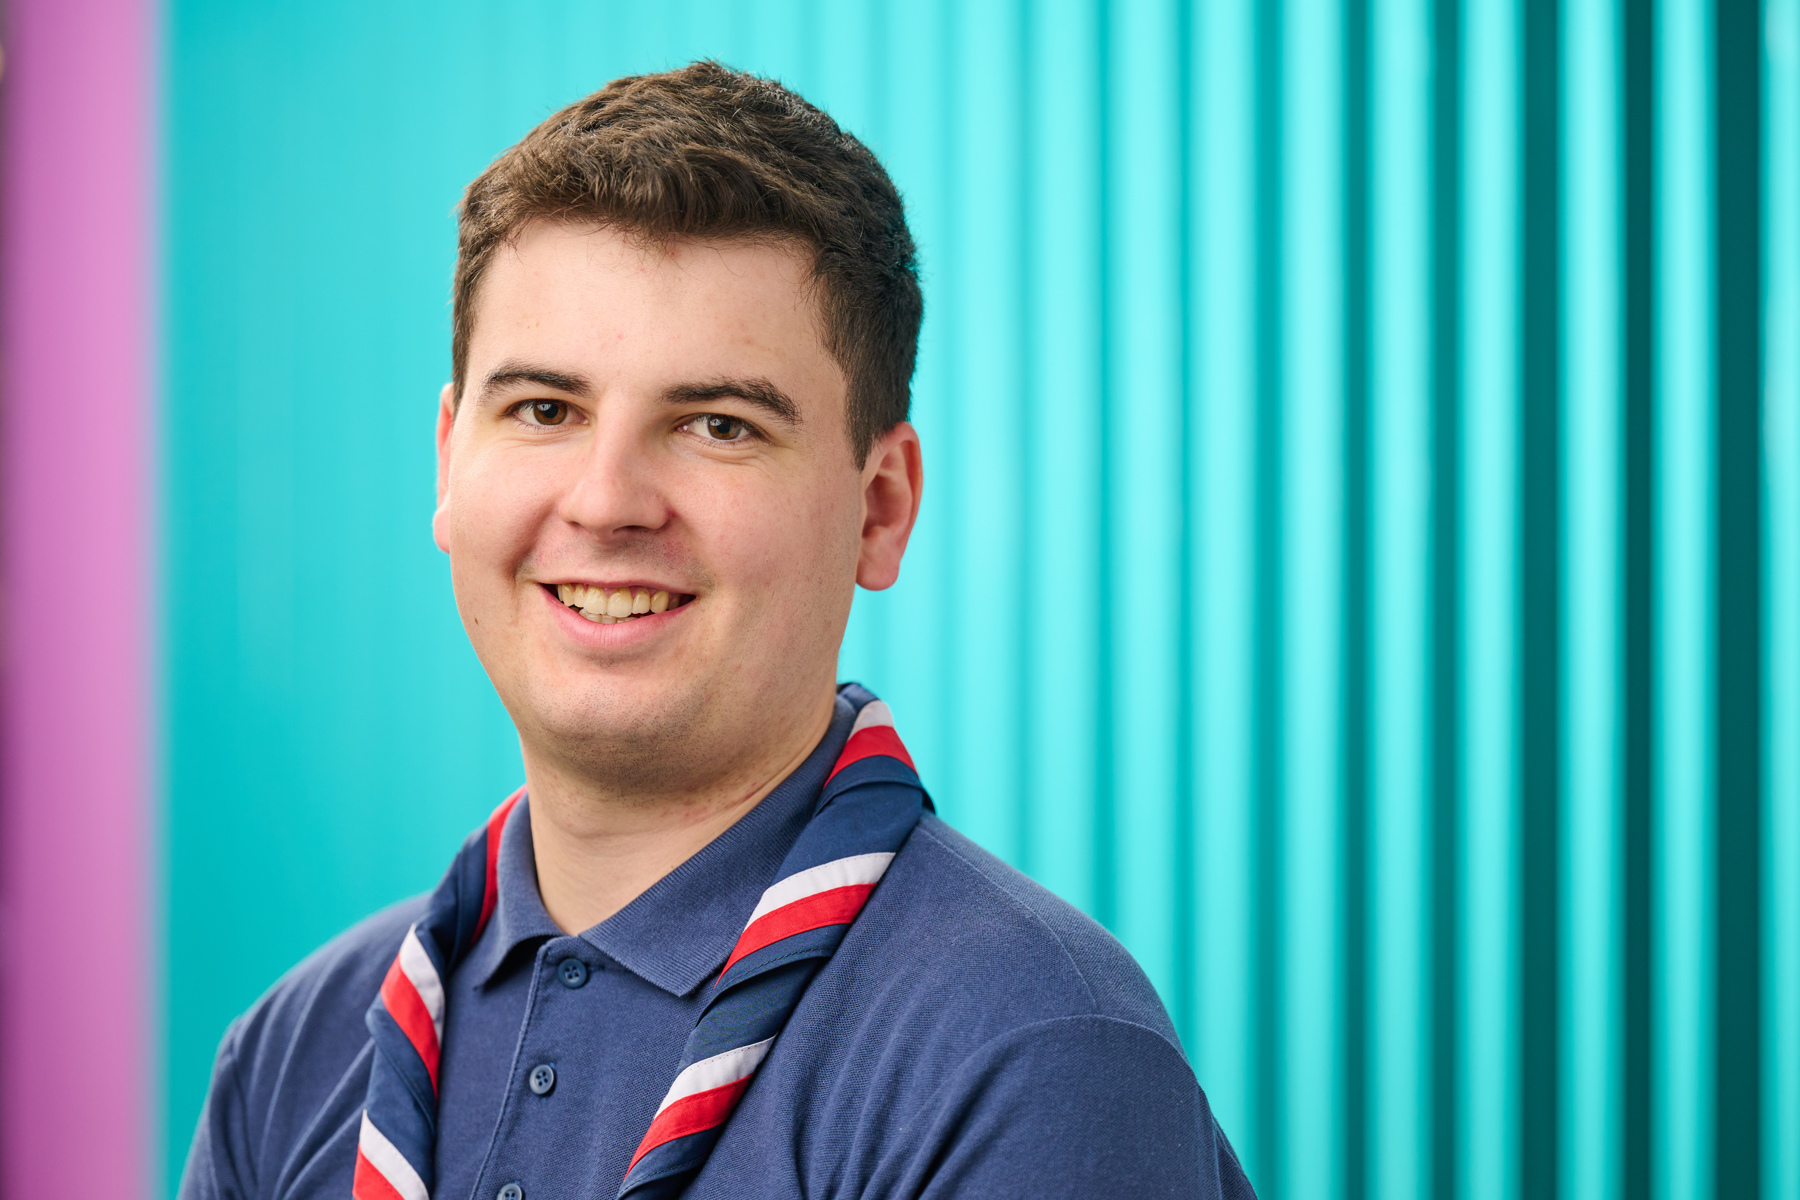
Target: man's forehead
x=566 y=282
x=546 y=248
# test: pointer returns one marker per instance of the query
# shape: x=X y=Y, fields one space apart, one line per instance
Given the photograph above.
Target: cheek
x=494 y=508
x=810 y=551
x=798 y=549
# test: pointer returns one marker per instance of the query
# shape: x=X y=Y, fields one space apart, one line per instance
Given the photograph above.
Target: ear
x=446 y=421
x=893 y=481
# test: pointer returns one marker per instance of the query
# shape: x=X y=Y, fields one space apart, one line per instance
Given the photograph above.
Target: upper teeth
x=621 y=604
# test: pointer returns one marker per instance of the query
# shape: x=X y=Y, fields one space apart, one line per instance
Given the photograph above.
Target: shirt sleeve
x=218 y=1158
x=1085 y=1106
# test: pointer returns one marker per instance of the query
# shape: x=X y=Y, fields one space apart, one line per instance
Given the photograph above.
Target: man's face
x=645 y=419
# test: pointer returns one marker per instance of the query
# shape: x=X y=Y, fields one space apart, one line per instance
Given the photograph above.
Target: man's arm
x=1084 y=1106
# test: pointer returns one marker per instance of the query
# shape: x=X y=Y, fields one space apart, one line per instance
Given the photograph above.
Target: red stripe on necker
x=872 y=742
x=691 y=1114
x=370 y=1184
x=838 y=906
x=410 y=1014
x=490 y=892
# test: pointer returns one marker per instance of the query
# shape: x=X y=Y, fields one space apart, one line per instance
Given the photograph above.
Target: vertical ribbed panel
x=1360 y=560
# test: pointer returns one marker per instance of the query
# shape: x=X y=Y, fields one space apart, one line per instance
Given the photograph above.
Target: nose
x=617 y=491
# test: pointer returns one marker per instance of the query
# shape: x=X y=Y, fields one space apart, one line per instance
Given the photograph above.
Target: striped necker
x=870 y=803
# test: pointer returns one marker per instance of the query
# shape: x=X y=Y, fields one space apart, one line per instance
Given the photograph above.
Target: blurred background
x=1360 y=563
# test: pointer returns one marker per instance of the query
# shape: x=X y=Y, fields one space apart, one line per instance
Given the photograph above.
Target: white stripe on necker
x=840 y=872
x=716 y=1072
x=875 y=712
x=417 y=965
x=390 y=1162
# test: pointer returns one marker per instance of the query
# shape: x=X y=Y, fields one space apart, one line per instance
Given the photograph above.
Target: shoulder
x=991 y=1040
x=977 y=937
x=1083 y=1105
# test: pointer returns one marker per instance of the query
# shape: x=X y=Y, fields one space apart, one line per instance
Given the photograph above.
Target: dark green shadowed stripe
x=1027 y=615
x=1637 y=587
x=1187 y=921
x=1445 y=1087
x=1269 y=792
x=1540 y=600
x=1106 y=905
x=1355 y=628
x=1737 y=1113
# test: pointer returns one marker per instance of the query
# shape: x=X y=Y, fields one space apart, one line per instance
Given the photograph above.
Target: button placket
x=530 y=1110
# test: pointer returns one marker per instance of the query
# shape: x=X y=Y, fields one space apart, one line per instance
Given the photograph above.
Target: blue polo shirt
x=973 y=1036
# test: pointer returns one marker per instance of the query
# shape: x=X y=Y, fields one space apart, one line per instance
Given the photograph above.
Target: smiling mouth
x=610 y=606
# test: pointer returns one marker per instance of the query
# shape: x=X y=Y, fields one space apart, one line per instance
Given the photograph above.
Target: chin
x=607 y=720
x=633 y=711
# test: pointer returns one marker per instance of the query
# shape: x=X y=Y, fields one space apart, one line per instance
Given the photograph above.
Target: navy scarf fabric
x=869 y=804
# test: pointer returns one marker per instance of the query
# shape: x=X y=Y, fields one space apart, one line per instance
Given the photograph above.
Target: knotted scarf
x=868 y=806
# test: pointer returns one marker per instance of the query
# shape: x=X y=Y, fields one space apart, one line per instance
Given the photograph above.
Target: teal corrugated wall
x=1360 y=565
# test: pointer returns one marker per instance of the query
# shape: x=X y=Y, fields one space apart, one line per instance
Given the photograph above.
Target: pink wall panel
x=77 y=967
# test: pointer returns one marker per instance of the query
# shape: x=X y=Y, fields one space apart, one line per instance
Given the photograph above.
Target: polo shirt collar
x=519 y=915
x=682 y=928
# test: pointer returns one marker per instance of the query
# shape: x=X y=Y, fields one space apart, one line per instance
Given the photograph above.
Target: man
x=718 y=946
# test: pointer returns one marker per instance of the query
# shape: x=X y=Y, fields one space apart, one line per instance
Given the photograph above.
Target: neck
x=599 y=847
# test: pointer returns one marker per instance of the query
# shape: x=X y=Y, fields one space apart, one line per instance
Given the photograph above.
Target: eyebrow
x=759 y=393
x=512 y=374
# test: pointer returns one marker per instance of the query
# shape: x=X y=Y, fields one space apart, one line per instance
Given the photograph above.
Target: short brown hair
x=708 y=152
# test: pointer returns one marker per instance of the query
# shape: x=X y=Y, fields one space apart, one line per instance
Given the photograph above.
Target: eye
x=546 y=412
x=719 y=428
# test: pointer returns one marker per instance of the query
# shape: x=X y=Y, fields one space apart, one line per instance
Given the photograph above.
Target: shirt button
x=573 y=972
x=543 y=1078
x=511 y=1191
